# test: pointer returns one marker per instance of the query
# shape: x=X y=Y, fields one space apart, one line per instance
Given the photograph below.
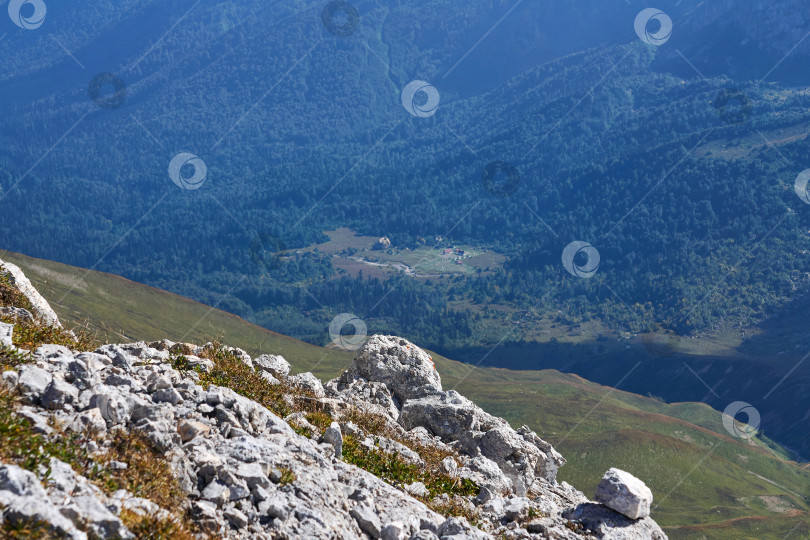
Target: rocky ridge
x=248 y=472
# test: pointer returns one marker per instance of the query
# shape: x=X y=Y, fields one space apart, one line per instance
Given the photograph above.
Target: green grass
x=117 y=310
x=706 y=483
x=424 y=261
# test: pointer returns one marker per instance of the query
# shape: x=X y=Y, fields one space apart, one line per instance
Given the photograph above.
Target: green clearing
x=354 y=253
x=708 y=485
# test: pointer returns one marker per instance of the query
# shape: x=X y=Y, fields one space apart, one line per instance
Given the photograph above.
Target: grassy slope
x=708 y=485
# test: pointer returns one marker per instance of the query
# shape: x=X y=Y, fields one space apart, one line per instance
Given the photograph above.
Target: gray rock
x=39 y=305
x=521 y=457
x=457 y=527
x=162 y=433
x=608 y=524
x=81 y=375
x=275 y=507
x=167 y=395
x=94 y=361
x=122 y=380
x=269 y=378
x=61 y=476
x=367 y=520
x=58 y=394
x=540 y=526
x=625 y=494
x=516 y=509
x=484 y=495
x=447 y=415
x=10 y=377
x=239 y=353
x=20 y=482
x=449 y=466
x=308 y=382
x=23 y=510
x=394 y=447
x=39 y=421
x=205 y=516
x=113 y=407
x=275 y=365
x=417 y=489
x=236 y=518
x=220 y=396
x=52 y=352
x=6 y=333
x=34 y=379
x=395 y=530
x=190 y=429
x=333 y=436
x=425 y=534
x=87 y=510
x=216 y=492
x=404 y=368
x=120 y=358
x=19 y=314
x=253 y=475
x=91 y=419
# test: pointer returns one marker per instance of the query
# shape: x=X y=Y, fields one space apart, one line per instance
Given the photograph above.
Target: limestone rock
x=308 y=382
x=6 y=334
x=404 y=368
x=333 y=436
x=367 y=520
x=40 y=306
x=19 y=314
x=625 y=494
x=273 y=364
x=607 y=524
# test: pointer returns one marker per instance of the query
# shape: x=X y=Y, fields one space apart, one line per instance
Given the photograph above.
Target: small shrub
x=12 y=358
x=23 y=446
x=319 y=419
x=30 y=335
x=28 y=530
x=287 y=476
x=453 y=507
x=154 y=528
x=395 y=470
x=10 y=295
x=229 y=371
x=147 y=474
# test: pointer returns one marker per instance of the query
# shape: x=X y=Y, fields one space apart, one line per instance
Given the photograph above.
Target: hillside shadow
x=667 y=373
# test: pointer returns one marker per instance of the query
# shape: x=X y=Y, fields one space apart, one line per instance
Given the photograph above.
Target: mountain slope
x=706 y=482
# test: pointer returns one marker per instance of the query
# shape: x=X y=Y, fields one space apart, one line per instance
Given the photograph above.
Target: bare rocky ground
x=382 y=451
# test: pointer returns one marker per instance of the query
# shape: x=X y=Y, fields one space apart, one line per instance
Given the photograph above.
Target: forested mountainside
x=303 y=131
